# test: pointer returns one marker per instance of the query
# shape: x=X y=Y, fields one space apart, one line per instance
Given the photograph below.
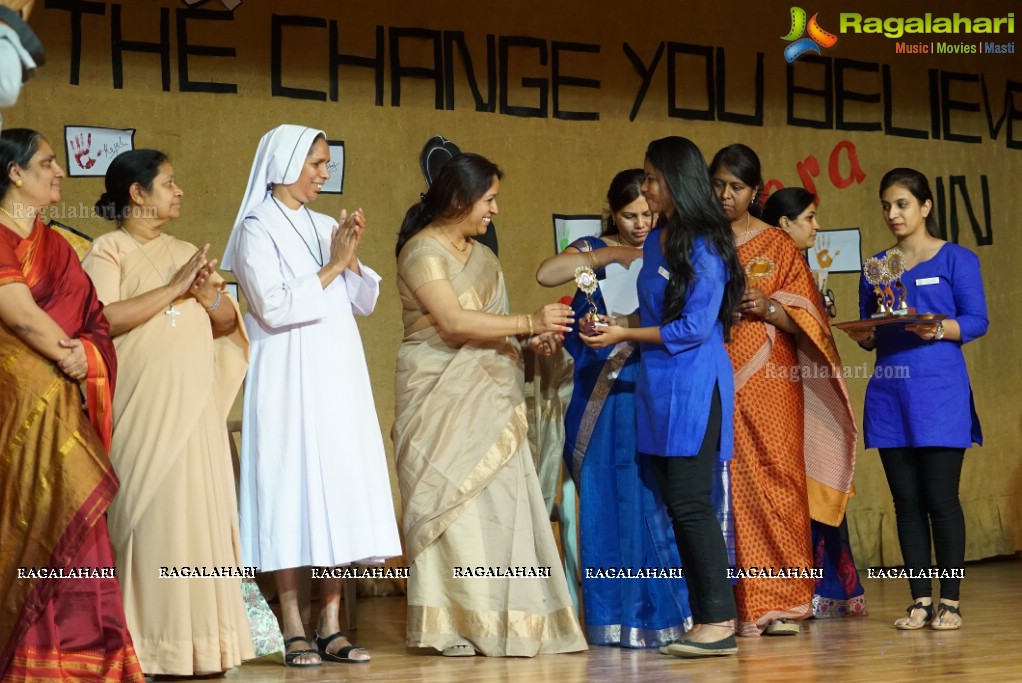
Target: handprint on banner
x=81 y=145
x=823 y=256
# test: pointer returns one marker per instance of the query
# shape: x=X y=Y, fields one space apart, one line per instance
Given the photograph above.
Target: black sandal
x=944 y=607
x=342 y=655
x=907 y=625
x=290 y=657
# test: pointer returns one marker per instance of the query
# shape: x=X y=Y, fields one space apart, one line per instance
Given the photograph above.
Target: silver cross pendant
x=173 y=313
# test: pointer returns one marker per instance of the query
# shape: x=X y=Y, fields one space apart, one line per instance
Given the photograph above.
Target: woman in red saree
x=789 y=392
x=60 y=614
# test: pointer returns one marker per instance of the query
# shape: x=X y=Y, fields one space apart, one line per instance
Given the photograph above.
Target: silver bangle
x=216 y=304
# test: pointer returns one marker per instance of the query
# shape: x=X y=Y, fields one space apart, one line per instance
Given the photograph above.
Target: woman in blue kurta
x=689 y=289
x=622 y=521
x=919 y=409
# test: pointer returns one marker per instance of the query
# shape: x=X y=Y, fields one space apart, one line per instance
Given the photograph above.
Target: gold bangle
x=593 y=260
x=529 y=318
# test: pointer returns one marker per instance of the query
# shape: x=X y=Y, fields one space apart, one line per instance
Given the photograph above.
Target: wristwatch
x=939 y=334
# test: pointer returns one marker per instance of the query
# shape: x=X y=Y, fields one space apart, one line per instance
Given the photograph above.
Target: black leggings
x=924 y=484
x=686 y=483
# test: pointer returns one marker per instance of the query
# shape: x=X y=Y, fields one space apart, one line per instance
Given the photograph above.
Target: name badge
x=664 y=273
x=921 y=282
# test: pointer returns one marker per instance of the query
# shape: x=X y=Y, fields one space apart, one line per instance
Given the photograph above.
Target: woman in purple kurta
x=919 y=408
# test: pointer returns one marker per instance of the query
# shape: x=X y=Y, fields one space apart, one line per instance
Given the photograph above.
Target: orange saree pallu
x=56 y=483
x=794 y=436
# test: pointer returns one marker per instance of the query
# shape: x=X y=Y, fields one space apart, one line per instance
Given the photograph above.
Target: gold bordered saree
x=484 y=567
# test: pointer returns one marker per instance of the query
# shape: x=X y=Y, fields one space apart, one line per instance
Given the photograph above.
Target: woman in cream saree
x=485 y=573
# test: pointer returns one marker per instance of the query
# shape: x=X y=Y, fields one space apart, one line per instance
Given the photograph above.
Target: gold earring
x=19 y=182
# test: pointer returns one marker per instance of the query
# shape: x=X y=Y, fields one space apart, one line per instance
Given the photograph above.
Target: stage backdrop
x=563 y=95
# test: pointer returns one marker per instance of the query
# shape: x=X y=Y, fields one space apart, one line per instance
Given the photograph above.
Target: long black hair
x=697 y=211
x=624 y=189
x=17 y=147
x=461 y=182
x=789 y=203
x=917 y=184
x=134 y=166
x=743 y=163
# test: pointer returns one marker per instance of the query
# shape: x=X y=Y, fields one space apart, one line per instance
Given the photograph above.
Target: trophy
x=875 y=272
x=885 y=276
x=884 y=273
x=895 y=269
x=585 y=279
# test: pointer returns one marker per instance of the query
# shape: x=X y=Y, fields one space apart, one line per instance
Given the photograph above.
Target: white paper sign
x=90 y=149
x=335 y=185
x=836 y=251
x=567 y=229
x=619 y=288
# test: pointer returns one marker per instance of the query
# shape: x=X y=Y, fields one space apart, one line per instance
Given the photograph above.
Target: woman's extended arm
x=455 y=322
x=560 y=268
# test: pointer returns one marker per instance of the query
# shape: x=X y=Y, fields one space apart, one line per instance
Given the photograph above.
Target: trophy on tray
x=884 y=273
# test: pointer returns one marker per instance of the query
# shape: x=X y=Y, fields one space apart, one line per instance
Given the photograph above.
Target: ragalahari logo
x=817 y=36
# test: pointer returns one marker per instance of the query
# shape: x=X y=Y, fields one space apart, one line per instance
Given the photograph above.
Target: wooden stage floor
x=986 y=649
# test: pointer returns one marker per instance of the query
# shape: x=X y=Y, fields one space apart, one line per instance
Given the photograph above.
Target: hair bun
x=106 y=207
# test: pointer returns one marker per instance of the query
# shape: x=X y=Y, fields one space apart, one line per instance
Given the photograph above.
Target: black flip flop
x=341 y=656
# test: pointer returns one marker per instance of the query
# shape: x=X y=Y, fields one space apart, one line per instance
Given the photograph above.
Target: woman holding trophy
x=919 y=410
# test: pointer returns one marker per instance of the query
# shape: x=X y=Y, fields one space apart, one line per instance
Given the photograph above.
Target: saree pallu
x=623 y=523
x=470 y=494
x=56 y=484
x=794 y=434
x=177 y=504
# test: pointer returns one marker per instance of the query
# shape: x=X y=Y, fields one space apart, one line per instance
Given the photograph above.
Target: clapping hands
x=346 y=237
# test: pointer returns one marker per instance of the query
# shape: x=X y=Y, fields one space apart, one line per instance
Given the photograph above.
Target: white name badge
x=664 y=273
x=922 y=282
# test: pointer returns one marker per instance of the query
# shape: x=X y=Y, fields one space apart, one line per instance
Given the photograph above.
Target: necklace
x=15 y=221
x=743 y=237
x=319 y=261
x=171 y=312
x=461 y=249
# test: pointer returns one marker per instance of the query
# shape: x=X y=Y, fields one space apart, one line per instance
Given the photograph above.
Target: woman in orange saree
x=789 y=391
x=60 y=615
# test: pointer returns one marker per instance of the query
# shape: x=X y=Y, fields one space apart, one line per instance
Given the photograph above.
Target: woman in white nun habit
x=314 y=484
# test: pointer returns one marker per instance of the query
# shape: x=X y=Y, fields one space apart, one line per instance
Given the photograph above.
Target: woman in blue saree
x=623 y=525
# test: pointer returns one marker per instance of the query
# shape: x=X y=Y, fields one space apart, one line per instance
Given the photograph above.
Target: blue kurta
x=622 y=519
x=676 y=378
x=920 y=394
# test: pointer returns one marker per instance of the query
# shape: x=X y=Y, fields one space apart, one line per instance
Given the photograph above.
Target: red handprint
x=81 y=148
